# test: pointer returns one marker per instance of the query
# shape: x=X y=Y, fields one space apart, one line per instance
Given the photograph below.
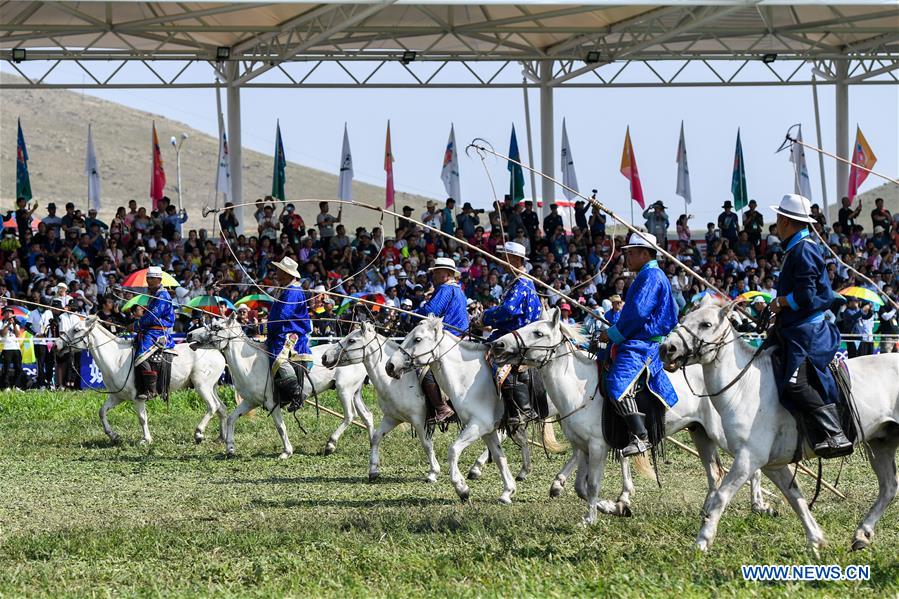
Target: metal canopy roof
x=282 y=43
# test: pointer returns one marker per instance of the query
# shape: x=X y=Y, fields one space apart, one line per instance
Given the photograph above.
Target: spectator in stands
x=728 y=222
x=553 y=221
x=657 y=222
x=847 y=214
x=10 y=333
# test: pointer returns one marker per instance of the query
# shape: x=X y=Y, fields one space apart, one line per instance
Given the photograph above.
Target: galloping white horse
x=463 y=374
x=572 y=381
x=761 y=433
x=400 y=400
x=113 y=355
x=249 y=366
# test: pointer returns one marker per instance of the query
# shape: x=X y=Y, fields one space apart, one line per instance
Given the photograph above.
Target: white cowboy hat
x=445 y=264
x=511 y=248
x=794 y=207
x=288 y=265
x=639 y=241
x=154 y=272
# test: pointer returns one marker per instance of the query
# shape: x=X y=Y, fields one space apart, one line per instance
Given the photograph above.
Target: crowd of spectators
x=77 y=262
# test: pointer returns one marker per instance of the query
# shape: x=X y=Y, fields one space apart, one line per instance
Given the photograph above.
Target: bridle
x=343 y=350
x=69 y=340
x=410 y=360
x=519 y=355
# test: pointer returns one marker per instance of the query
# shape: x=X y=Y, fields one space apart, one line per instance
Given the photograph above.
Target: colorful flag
x=388 y=168
x=738 y=180
x=802 y=184
x=278 y=175
x=23 y=181
x=449 y=174
x=516 y=175
x=683 y=171
x=861 y=156
x=569 y=178
x=629 y=169
x=92 y=170
x=345 y=180
x=223 y=172
x=157 y=175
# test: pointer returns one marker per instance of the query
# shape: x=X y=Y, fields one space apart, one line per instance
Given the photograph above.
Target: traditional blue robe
x=289 y=315
x=155 y=323
x=802 y=331
x=648 y=315
x=519 y=306
x=448 y=302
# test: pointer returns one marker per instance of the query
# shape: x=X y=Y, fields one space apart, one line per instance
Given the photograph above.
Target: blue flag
x=278 y=175
x=23 y=182
x=516 y=174
x=738 y=179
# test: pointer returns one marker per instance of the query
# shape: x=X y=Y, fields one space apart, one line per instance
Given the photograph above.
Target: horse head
x=76 y=336
x=217 y=334
x=350 y=349
x=700 y=336
x=531 y=344
x=418 y=349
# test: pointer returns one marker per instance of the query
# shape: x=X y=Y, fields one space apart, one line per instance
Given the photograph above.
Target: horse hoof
x=555 y=490
x=702 y=546
x=220 y=439
x=474 y=474
x=521 y=477
x=505 y=499
x=859 y=544
x=115 y=439
x=373 y=476
x=330 y=448
x=198 y=439
x=145 y=441
x=432 y=477
x=284 y=455
x=464 y=495
x=229 y=454
x=764 y=510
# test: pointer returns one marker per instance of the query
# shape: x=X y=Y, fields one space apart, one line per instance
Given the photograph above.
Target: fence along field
x=81 y=516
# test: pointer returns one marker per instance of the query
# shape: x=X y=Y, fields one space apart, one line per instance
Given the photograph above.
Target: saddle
x=614 y=428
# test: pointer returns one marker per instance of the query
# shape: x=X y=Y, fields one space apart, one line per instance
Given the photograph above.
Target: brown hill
x=55 y=126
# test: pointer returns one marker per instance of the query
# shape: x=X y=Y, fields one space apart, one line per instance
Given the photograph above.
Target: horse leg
x=364 y=413
x=346 y=402
x=469 y=434
x=580 y=479
x=496 y=451
x=278 y=419
x=222 y=414
x=428 y=445
x=387 y=425
x=883 y=461
x=596 y=461
x=622 y=507
x=474 y=473
x=521 y=439
x=558 y=484
x=740 y=472
x=760 y=505
x=784 y=479
x=140 y=408
x=242 y=408
x=212 y=404
x=111 y=402
x=708 y=454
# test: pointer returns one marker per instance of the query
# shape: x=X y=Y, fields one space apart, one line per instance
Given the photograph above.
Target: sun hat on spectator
x=564 y=306
x=407 y=303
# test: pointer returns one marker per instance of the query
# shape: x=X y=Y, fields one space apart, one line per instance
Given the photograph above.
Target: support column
x=547 y=137
x=842 y=128
x=234 y=144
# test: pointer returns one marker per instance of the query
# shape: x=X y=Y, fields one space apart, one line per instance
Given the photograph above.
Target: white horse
x=572 y=381
x=761 y=433
x=401 y=400
x=113 y=355
x=248 y=363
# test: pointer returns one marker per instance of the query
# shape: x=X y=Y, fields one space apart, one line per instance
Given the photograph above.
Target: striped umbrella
x=751 y=295
x=371 y=297
x=255 y=301
x=19 y=311
x=11 y=223
x=698 y=297
x=209 y=303
x=137 y=300
x=139 y=279
x=863 y=294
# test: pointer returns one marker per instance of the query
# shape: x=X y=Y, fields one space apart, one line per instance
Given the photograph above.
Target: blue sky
x=312 y=125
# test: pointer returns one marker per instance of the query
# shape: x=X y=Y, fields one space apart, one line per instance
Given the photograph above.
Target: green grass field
x=81 y=517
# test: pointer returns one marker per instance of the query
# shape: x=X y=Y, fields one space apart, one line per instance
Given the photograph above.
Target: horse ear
x=366 y=327
x=91 y=320
x=555 y=315
x=729 y=308
x=232 y=317
x=438 y=325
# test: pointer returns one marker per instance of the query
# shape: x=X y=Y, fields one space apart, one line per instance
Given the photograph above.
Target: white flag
x=569 y=178
x=92 y=170
x=345 y=183
x=223 y=177
x=801 y=182
x=449 y=174
x=683 y=171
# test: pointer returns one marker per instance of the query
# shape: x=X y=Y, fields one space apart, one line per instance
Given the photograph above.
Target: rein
x=716 y=346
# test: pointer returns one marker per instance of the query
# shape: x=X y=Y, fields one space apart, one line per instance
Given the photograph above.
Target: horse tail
x=549 y=439
x=643 y=466
x=718 y=471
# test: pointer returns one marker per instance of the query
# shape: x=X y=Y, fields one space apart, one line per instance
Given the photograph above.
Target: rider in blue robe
x=648 y=315
x=808 y=342
x=518 y=307
x=449 y=303
x=153 y=331
x=287 y=335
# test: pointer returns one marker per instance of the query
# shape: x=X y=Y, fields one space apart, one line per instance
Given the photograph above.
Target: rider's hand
x=603 y=337
x=778 y=304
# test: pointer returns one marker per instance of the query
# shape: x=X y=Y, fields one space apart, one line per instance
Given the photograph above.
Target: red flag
x=157 y=175
x=629 y=169
x=861 y=156
x=388 y=168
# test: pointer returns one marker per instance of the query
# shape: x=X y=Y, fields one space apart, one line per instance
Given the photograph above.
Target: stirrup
x=637 y=446
x=295 y=404
x=837 y=446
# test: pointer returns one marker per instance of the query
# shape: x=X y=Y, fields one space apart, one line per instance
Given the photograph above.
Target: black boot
x=147 y=385
x=826 y=420
x=521 y=400
x=442 y=411
x=636 y=424
x=290 y=391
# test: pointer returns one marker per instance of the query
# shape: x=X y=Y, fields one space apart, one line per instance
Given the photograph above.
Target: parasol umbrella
x=209 y=303
x=370 y=297
x=696 y=298
x=139 y=279
x=863 y=294
x=751 y=295
x=137 y=300
x=255 y=301
x=11 y=223
x=19 y=312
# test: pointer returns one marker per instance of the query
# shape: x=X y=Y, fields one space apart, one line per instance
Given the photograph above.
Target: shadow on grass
x=353 y=503
x=299 y=480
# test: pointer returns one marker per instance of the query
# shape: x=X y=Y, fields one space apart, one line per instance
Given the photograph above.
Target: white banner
x=345 y=181
x=569 y=177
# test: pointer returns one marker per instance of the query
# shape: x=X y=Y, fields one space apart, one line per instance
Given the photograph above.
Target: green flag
x=516 y=178
x=738 y=181
x=23 y=181
x=278 y=176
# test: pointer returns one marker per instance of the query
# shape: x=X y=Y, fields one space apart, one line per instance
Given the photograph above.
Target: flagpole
x=88 y=176
x=218 y=117
x=820 y=155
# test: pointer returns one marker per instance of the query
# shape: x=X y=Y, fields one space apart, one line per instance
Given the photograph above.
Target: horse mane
x=110 y=335
x=573 y=333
